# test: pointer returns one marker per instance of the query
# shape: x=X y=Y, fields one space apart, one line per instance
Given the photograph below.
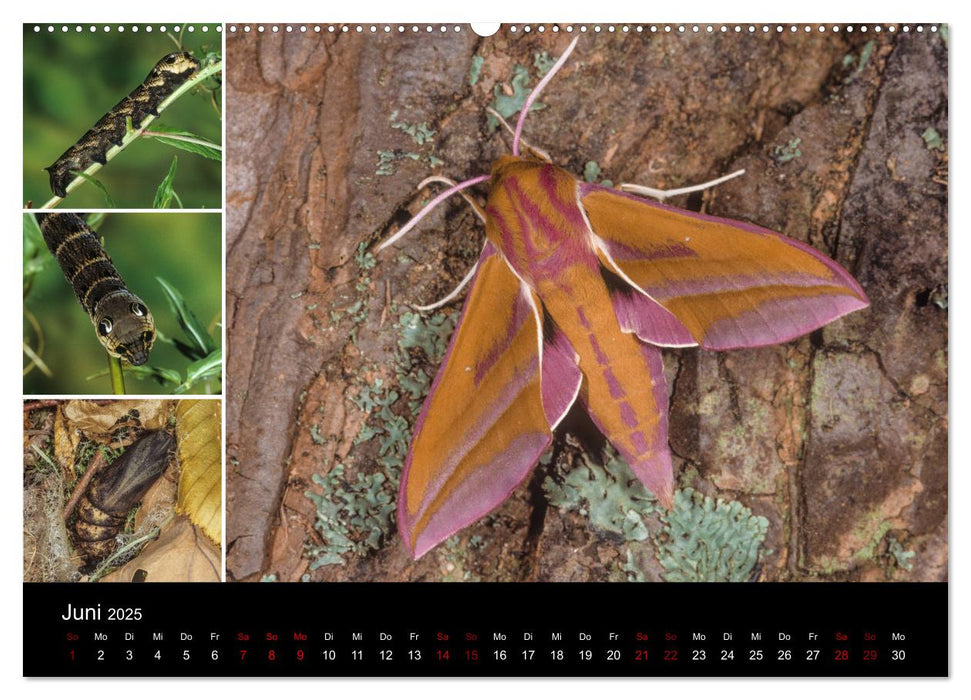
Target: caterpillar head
x=179 y=63
x=125 y=326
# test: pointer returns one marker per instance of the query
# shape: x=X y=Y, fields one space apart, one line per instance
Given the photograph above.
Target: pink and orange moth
x=577 y=288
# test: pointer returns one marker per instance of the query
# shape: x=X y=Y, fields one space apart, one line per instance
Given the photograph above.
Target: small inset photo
x=123 y=116
x=122 y=303
x=123 y=490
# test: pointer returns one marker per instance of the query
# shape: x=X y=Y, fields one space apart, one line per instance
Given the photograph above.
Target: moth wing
x=727 y=284
x=499 y=393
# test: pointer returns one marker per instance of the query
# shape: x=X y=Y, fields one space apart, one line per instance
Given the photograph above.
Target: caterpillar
x=124 y=324
x=142 y=102
x=103 y=509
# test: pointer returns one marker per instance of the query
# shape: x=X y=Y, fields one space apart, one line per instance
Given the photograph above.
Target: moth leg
x=428 y=207
x=479 y=211
x=535 y=150
x=451 y=295
x=664 y=194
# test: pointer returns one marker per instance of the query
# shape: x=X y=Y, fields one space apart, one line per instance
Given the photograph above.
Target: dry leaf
x=181 y=553
x=197 y=428
x=159 y=502
x=90 y=417
x=65 y=443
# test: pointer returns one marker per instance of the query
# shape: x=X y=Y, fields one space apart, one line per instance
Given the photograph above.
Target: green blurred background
x=72 y=79
x=184 y=249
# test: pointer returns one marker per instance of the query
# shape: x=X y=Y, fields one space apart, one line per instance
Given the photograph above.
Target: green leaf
x=185 y=140
x=162 y=375
x=165 y=191
x=33 y=239
x=202 y=342
x=109 y=202
x=95 y=219
x=32 y=232
x=209 y=366
x=34 y=256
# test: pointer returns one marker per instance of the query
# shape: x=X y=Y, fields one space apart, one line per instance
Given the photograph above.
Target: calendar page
x=537 y=349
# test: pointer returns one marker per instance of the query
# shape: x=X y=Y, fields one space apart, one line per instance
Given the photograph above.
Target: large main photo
x=815 y=449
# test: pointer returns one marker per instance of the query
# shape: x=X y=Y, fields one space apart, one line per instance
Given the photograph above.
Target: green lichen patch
x=353 y=517
x=899 y=557
x=430 y=335
x=591 y=171
x=455 y=559
x=787 y=152
x=510 y=97
x=609 y=495
x=475 y=69
x=861 y=61
x=315 y=435
x=363 y=257
x=421 y=340
x=630 y=569
x=709 y=540
x=387 y=161
x=356 y=312
x=932 y=139
x=542 y=62
x=419 y=133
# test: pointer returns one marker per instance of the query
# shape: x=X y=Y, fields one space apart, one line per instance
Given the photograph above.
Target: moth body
x=547 y=243
x=113 y=492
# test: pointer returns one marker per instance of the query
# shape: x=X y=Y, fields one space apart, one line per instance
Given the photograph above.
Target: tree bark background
x=839 y=439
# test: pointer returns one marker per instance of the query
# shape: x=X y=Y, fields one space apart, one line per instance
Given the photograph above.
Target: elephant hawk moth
x=577 y=289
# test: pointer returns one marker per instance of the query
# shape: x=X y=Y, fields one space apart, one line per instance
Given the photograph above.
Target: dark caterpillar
x=167 y=75
x=124 y=324
x=115 y=490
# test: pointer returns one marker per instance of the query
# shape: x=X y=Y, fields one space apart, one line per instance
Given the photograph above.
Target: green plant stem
x=136 y=133
x=117 y=377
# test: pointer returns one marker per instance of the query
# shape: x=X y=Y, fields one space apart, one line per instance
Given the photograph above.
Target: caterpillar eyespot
x=167 y=75
x=103 y=509
x=124 y=324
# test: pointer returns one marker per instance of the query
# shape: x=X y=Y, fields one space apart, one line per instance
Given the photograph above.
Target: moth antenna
x=431 y=205
x=451 y=295
x=479 y=211
x=536 y=150
x=535 y=93
x=664 y=194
